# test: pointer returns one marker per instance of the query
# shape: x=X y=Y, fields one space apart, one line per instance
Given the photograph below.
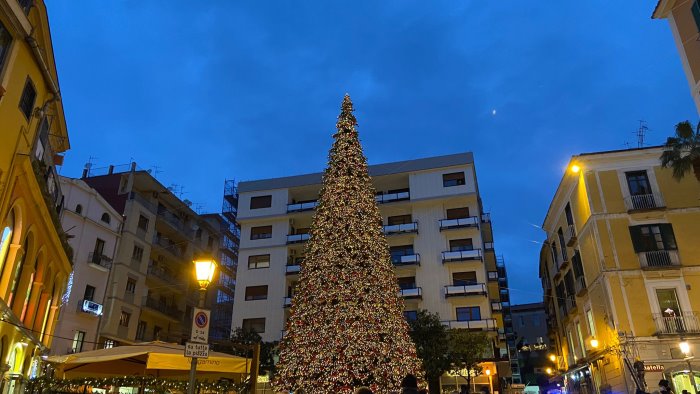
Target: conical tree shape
x=346 y=327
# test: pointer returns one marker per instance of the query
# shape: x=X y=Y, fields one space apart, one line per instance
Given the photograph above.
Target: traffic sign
x=196 y=350
x=200 y=326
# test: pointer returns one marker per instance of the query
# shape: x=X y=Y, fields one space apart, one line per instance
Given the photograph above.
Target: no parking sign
x=200 y=326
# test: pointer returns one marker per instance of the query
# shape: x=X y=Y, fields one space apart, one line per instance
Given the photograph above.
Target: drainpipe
x=53 y=85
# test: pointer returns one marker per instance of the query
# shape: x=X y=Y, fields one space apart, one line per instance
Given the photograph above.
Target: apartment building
x=684 y=19
x=94 y=228
x=441 y=245
x=152 y=288
x=532 y=341
x=35 y=258
x=619 y=270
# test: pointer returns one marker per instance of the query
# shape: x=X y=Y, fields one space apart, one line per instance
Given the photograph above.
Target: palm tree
x=682 y=153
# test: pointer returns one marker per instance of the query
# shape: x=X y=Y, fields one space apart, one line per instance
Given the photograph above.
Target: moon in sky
x=493 y=112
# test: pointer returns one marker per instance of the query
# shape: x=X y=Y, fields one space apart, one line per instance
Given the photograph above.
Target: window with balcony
x=98 y=251
x=453 y=179
x=638 y=183
x=259 y=261
x=137 y=253
x=407 y=282
x=124 y=318
x=464 y=278
x=89 y=293
x=493 y=275
x=143 y=223
x=569 y=216
x=655 y=244
x=256 y=325
x=78 y=341
x=560 y=234
x=141 y=330
x=26 y=102
x=590 y=322
x=259 y=202
x=400 y=219
x=410 y=315
x=262 y=232
x=457 y=213
x=5 y=42
x=253 y=293
x=459 y=245
x=401 y=250
x=468 y=313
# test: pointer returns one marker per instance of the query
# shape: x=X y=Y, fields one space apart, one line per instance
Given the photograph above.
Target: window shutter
x=636 y=235
x=667 y=235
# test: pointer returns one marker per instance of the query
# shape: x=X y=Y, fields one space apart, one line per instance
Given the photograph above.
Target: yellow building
x=684 y=19
x=34 y=261
x=620 y=270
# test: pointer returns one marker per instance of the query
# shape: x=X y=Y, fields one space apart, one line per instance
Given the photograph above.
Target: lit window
x=109 y=344
x=124 y=319
x=78 y=340
x=259 y=261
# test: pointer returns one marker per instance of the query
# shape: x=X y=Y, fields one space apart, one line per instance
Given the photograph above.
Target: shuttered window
x=649 y=238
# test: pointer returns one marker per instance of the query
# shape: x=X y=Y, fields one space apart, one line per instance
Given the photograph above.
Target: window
x=458 y=245
x=26 y=102
x=572 y=350
x=260 y=202
x=78 y=340
x=141 y=330
x=581 y=343
x=591 y=322
x=261 y=232
x=198 y=234
x=400 y=219
x=458 y=213
x=78 y=209
x=98 y=251
x=89 y=293
x=408 y=282
x=410 y=315
x=156 y=333
x=143 y=223
x=568 y=214
x=493 y=275
x=124 y=319
x=131 y=286
x=468 y=313
x=5 y=42
x=108 y=344
x=6 y=237
x=638 y=183
x=453 y=179
x=105 y=218
x=210 y=242
x=254 y=325
x=560 y=234
x=695 y=9
x=19 y=267
x=668 y=302
x=649 y=238
x=259 y=261
x=398 y=251
x=137 y=253
x=26 y=5
x=463 y=278
x=253 y=293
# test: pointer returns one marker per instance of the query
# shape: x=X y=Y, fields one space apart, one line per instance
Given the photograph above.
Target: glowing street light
x=204 y=273
x=594 y=343
x=685 y=348
x=575 y=168
x=549 y=371
x=552 y=358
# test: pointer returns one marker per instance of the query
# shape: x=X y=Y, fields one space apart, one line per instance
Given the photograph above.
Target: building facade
x=619 y=270
x=532 y=341
x=35 y=258
x=684 y=19
x=152 y=288
x=440 y=239
x=94 y=228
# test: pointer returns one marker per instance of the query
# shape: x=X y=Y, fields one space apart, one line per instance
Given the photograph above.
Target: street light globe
x=594 y=343
x=549 y=371
x=552 y=358
x=488 y=372
x=685 y=347
x=204 y=271
x=575 y=168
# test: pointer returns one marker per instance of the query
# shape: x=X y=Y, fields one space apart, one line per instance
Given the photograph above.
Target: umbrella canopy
x=150 y=358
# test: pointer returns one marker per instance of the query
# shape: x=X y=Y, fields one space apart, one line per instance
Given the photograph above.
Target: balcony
x=408 y=259
x=659 y=259
x=686 y=323
x=406 y=228
x=580 y=285
x=90 y=307
x=163 y=275
x=570 y=303
x=461 y=255
x=150 y=206
x=496 y=306
x=465 y=290
x=448 y=224
x=302 y=206
x=163 y=308
x=287 y=302
x=175 y=222
x=570 y=235
x=392 y=197
x=643 y=202
x=411 y=293
x=486 y=218
x=292 y=269
x=483 y=324
x=297 y=238
x=100 y=260
x=168 y=245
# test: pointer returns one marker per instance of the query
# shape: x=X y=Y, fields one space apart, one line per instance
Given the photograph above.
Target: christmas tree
x=346 y=327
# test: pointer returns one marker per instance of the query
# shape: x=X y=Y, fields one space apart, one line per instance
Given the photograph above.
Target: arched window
x=17 y=274
x=105 y=217
x=78 y=209
x=6 y=237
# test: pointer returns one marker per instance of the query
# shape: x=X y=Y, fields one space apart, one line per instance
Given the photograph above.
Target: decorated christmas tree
x=346 y=327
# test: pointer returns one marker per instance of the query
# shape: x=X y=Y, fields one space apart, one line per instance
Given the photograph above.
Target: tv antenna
x=641 y=133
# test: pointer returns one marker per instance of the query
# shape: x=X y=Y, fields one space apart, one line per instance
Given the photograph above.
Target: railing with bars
x=461 y=255
x=407 y=259
x=385 y=198
x=685 y=322
x=644 y=201
x=412 y=292
x=302 y=206
x=446 y=224
x=659 y=259
x=99 y=259
x=400 y=228
x=570 y=235
x=580 y=284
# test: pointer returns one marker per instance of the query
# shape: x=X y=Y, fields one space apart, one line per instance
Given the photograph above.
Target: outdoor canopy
x=158 y=359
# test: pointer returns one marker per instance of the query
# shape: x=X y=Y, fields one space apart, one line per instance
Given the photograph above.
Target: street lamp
x=204 y=272
x=684 y=346
x=594 y=343
x=488 y=373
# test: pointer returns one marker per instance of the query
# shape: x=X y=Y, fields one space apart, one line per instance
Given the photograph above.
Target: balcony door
x=461 y=245
x=464 y=278
x=638 y=183
x=668 y=302
x=98 y=251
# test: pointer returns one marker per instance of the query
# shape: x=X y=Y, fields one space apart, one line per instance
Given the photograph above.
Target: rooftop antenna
x=156 y=170
x=641 y=132
x=89 y=164
x=626 y=145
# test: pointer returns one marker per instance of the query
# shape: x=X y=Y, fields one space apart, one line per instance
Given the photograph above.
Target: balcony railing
x=175 y=222
x=446 y=224
x=100 y=259
x=385 y=198
x=302 y=206
x=644 y=201
x=483 y=324
x=292 y=269
x=287 y=302
x=408 y=259
x=153 y=208
x=461 y=255
x=496 y=306
x=163 y=275
x=570 y=303
x=297 y=238
x=580 y=284
x=570 y=235
x=659 y=259
x=161 y=307
x=465 y=290
x=414 y=292
x=168 y=245
x=400 y=228
x=488 y=246
x=687 y=322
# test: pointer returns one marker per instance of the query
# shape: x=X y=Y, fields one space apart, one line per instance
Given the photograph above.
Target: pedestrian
x=363 y=390
x=664 y=387
x=409 y=384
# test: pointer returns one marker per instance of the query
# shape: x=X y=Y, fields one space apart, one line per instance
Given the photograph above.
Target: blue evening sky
x=251 y=89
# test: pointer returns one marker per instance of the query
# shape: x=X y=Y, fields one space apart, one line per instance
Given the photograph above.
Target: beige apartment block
x=440 y=238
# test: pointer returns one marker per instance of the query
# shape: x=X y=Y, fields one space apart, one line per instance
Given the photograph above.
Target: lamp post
x=488 y=373
x=685 y=349
x=204 y=271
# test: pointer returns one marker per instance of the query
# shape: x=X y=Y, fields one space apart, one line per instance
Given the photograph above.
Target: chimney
x=111 y=170
x=85 y=172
